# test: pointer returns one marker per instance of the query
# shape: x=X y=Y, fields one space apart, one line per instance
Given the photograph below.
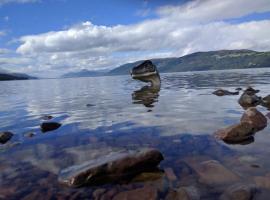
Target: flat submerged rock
x=110 y=168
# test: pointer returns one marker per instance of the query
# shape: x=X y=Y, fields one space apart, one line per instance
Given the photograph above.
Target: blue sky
x=57 y=36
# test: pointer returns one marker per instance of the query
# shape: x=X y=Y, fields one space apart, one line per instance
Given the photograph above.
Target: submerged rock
x=212 y=172
x=145 y=193
x=5 y=136
x=236 y=133
x=262 y=181
x=183 y=193
x=221 y=92
x=238 y=89
x=49 y=126
x=239 y=192
x=255 y=118
x=111 y=168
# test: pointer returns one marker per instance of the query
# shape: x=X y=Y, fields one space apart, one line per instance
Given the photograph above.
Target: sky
x=48 y=38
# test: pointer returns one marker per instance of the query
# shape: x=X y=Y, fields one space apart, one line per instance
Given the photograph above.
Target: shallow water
x=100 y=115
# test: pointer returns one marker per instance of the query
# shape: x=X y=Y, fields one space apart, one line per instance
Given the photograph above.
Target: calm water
x=179 y=120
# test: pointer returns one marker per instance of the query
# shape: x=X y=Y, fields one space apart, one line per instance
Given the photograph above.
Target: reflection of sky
x=185 y=103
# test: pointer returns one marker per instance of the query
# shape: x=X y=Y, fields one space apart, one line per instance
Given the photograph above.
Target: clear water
x=179 y=120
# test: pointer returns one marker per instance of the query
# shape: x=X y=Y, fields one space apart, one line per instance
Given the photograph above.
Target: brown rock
x=239 y=192
x=5 y=136
x=221 y=92
x=170 y=174
x=262 y=181
x=248 y=99
x=49 y=126
x=255 y=118
x=213 y=173
x=111 y=168
x=236 y=133
x=183 y=193
x=145 y=193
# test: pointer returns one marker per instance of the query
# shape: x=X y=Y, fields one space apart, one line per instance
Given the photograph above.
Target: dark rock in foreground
x=221 y=92
x=255 y=118
x=49 y=126
x=111 y=168
x=239 y=192
x=5 y=136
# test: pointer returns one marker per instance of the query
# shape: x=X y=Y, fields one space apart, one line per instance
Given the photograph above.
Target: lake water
x=105 y=114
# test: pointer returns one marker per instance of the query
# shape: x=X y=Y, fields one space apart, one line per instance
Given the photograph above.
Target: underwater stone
x=110 y=168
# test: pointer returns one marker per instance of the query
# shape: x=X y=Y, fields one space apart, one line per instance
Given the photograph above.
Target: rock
x=255 y=118
x=148 y=176
x=170 y=174
x=89 y=105
x=98 y=192
x=266 y=101
x=239 y=192
x=29 y=134
x=249 y=100
x=211 y=172
x=47 y=117
x=262 y=181
x=5 y=136
x=145 y=193
x=238 y=89
x=49 y=126
x=221 y=92
x=113 y=167
x=236 y=133
x=251 y=91
x=183 y=193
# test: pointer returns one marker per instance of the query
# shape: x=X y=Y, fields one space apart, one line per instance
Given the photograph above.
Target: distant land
x=199 y=61
x=9 y=76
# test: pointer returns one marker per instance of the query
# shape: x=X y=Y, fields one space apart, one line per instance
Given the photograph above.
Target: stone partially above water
x=111 y=168
x=236 y=133
x=5 y=136
x=221 y=92
x=255 y=118
x=249 y=100
x=49 y=126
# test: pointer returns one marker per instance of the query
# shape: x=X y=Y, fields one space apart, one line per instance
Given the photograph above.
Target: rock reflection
x=147 y=96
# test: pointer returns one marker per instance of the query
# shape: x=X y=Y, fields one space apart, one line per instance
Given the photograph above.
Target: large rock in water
x=236 y=133
x=111 y=168
x=255 y=118
x=249 y=100
x=5 y=136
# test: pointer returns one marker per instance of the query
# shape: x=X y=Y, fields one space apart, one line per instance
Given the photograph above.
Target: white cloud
x=179 y=30
x=2 y=2
x=2 y=33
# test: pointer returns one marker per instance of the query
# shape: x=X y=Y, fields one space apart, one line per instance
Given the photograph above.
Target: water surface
x=100 y=115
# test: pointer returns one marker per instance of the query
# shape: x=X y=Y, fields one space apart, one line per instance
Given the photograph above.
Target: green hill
x=202 y=61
